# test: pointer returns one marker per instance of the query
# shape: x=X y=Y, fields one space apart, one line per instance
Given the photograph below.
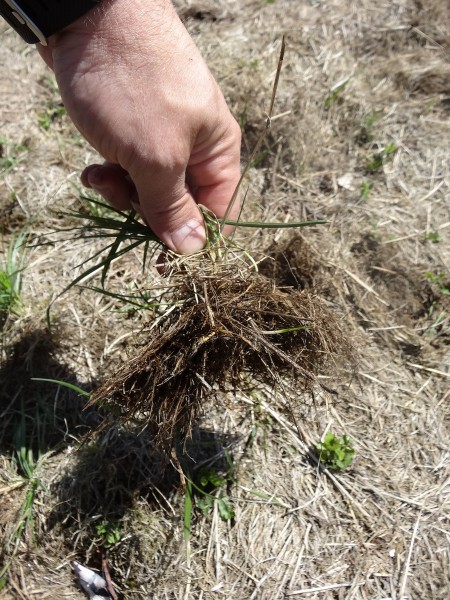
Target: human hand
x=137 y=88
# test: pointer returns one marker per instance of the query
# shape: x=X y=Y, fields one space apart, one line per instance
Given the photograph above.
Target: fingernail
x=95 y=176
x=190 y=238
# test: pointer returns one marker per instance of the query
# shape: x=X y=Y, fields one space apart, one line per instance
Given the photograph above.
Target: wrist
x=37 y=21
x=110 y=17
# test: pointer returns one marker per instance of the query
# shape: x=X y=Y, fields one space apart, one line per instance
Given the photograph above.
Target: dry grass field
x=360 y=137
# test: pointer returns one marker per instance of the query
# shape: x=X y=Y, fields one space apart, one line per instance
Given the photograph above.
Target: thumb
x=171 y=212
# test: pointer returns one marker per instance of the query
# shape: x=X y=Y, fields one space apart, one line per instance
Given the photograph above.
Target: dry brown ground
x=376 y=531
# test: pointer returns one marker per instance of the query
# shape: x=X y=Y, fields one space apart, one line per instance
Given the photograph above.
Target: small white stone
x=346 y=181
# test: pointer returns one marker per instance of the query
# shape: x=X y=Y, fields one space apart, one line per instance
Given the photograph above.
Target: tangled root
x=228 y=326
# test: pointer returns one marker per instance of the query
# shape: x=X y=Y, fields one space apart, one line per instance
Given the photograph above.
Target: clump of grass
x=27 y=477
x=225 y=323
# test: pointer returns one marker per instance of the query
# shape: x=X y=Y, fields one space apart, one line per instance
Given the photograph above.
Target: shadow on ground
x=119 y=466
x=38 y=415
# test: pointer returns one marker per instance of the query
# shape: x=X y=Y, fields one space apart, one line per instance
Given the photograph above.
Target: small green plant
x=109 y=533
x=52 y=113
x=433 y=237
x=10 y=277
x=262 y=422
x=208 y=490
x=365 y=189
x=438 y=322
x=48 y=81
x=211 y=488
x=438 y=280
x=336 y=453
x=335 y=93
x=378 y=159
x=365 y=134
x=252 y=64
x=27 y=466
x=259 y=158
x=10 y=154
x=9 y=298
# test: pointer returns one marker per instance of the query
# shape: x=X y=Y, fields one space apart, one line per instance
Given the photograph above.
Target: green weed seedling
x=49 y=82
x=335 y=93
x=208 y=489
x=433 y=237
x=254 y=63
x=365 y=134
x=336 y=453
x=52 y=113
x=55 y=108
x=438 y=322
x=108 y=533
x=365 y=189
x=378 y=159
x=438 y=280
x=262 y=422
x=211 y=488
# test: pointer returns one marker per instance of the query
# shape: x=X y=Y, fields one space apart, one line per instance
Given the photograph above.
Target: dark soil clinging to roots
x=230 y=328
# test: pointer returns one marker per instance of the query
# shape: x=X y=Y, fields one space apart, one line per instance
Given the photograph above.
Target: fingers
x=164 y=202
x=113 y=183
x=168 y=206
x=163 y=198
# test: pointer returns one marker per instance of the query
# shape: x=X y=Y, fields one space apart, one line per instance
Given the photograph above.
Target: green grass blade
x=113 y=250
x=269 y=498
x=65 y=384
x=128 y=298
x=144 y=259
x=262 y=225
x=187 y=511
